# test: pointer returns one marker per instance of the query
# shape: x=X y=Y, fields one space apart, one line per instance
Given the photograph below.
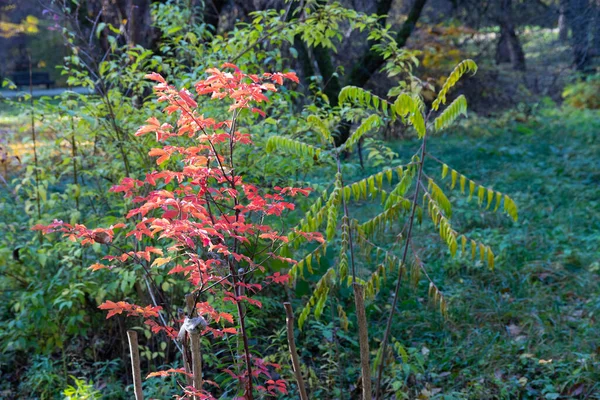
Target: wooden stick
x=195 y=347
x=363 y=337
x=135 y=364
x=196 y=360
x=293 y=352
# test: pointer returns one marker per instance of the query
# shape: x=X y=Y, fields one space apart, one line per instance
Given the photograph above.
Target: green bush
x=585 y=93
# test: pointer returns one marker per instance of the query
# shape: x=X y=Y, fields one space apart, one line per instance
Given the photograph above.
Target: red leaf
x=161 y=154
x=155 y=77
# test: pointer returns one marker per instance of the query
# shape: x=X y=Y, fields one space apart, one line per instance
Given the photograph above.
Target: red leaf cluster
x=204 y=215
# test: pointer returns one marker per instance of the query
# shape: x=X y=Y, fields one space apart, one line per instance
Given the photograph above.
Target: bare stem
x=388 y=327
x=135 y=364
x=195 y=348
x=363 y=338
x=293 y=352
x=33 y=136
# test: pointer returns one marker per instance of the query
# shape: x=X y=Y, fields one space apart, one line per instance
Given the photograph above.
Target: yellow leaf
x=158 y=262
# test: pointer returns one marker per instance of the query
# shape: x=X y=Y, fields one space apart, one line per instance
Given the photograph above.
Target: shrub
x=585 y=93
x=204 y=222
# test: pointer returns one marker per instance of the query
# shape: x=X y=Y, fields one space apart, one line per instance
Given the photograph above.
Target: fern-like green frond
x=406 y=178
x=378 y=223
x=462 y=68
x=404 y=105
x=438 y=195
x=292 y=146
x=363 y=98
x=297 y=271
x=371 y=186
x=317 y=300
x=485 y=196
x=451 y=113
x=333 y=205
x=343 y=257
x=369 y=124
x=407 y=105
x=437 y=298
x=321 y=127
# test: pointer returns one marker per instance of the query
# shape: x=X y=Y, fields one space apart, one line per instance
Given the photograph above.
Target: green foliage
x=461 y=69
x=292 y=146
x=495 y=346
x=81 y=390
x=585 y=93
x=409 y=108
x=451 y=113
x=501 y=336
x=371 y=123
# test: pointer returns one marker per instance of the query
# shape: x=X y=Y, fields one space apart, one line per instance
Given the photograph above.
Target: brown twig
x=363 y=339
x=293 y=352
x=135 y=364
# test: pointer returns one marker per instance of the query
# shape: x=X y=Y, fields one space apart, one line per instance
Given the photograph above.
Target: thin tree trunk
x=331 y=83
x=563 y=27
x=194 y=338
x=502 y=49
x=135 y=364
x=363 y=339
x=139 y=24
x=293 y=352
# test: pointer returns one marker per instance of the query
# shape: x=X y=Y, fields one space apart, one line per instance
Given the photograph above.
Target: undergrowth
x=527 y=328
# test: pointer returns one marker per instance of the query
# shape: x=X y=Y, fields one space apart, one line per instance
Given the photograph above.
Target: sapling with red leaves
x=203 y=222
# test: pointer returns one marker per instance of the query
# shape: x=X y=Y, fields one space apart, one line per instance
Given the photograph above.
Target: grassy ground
x=530 y=328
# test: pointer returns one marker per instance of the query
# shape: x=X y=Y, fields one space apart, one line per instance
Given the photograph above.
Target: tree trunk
x=502 y=49
x=596 y=39
x=578 y=17
x=331 y=83
x=563 y=27
x=509 y=41
x=372 y=61
x=212 y=12
x=139 y=24
x=133 y=14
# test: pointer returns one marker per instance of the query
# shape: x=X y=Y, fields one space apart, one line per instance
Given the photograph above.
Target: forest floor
x=529 y=328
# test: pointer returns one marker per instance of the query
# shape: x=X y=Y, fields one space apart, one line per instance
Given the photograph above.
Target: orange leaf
x=161 y=154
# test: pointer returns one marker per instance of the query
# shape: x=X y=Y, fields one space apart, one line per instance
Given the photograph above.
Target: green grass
x=542 y=301
x=527 y=330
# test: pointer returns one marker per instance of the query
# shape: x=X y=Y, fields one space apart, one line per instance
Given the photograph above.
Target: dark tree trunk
x=579 y=19
x=134 y=14
x=372 y=61
x=304 y=58
x=139 y=24
x=502 y=49
x=509 y=43
x=331 y=83
x=596 y=39
x=212 y=12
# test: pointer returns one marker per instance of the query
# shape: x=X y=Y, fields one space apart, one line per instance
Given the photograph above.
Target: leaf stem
x=399 y=283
